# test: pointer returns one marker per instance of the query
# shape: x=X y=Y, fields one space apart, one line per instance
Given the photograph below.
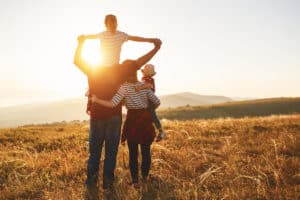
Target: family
x=112 y=84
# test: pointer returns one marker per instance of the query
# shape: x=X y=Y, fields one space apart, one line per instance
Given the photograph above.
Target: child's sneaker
x=161 y=136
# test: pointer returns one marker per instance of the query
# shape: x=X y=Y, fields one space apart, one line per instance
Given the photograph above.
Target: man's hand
x=157 y=42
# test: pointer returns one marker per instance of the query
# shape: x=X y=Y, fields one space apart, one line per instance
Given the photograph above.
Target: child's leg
x=146 y=160
x=154 y=116
x=133 y=161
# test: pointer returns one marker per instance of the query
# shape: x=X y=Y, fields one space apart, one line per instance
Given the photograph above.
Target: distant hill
x=66 y=110
x=192 y=99
x=236 y=109
x=74 y=109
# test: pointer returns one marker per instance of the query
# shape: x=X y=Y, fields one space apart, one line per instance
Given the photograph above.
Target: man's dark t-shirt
x=104 y=82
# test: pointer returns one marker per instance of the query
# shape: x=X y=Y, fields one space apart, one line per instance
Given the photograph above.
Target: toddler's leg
x=154 y=117
x=157 y=123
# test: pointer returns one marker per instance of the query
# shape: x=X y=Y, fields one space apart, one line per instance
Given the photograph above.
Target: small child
x=148 y=80
x=111 y=41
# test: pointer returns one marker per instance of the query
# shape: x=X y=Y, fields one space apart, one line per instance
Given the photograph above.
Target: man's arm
x=128 y=67
x=145 y=58
x=78 y=60
x=140 y=39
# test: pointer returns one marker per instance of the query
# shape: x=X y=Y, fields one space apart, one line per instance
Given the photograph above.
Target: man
x=105 y=123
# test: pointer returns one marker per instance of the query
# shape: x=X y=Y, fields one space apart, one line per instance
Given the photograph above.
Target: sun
x=91 y=52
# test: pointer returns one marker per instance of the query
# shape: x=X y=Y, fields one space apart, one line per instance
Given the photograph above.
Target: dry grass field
x=244 y=158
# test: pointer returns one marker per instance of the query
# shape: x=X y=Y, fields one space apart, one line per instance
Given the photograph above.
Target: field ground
x=245 y=158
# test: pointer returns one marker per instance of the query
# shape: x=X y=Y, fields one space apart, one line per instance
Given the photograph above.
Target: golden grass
x=247 y=158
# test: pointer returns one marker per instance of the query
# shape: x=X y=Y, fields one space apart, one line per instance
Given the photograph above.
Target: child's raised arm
x=140 y=39
x=92 y=36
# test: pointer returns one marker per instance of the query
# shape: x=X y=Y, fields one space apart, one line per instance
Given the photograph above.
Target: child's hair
x=148 y=70
x=111 y=22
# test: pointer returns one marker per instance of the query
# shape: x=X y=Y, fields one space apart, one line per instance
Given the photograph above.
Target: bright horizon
x=232 y=48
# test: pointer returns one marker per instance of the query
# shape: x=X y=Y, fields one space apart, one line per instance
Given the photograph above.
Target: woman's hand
x=94 y=99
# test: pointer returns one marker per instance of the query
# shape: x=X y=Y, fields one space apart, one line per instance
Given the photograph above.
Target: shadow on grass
x=156 y=187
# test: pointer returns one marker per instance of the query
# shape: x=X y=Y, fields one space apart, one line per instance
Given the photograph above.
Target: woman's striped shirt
x=134 y=99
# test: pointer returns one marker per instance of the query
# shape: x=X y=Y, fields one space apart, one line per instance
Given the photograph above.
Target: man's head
x=111 y=22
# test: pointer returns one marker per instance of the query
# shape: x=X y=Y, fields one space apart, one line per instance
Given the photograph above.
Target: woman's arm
x=116 y=100
x=104 y=103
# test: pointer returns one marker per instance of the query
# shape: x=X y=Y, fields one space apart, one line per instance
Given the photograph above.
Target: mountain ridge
x=74 y=108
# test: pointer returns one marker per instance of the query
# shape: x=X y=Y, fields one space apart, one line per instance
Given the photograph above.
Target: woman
x=138 y=128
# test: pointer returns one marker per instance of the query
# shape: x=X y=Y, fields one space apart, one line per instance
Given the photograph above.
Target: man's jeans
x=101 y=131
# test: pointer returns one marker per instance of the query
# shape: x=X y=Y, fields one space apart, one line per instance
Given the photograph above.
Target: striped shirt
x=111 y=45
x=134 y=99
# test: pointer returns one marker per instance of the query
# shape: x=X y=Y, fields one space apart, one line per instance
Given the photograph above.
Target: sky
x=235 y=48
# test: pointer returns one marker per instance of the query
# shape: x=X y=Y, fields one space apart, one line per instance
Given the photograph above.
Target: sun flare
x=91 y=52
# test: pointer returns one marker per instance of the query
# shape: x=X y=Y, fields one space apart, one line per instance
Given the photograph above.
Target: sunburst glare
x=91 y=52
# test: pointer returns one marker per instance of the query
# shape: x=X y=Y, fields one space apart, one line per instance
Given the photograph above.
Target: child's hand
x=138 y=88
x=161 y=136
x=81 y=38
x=144 y=86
